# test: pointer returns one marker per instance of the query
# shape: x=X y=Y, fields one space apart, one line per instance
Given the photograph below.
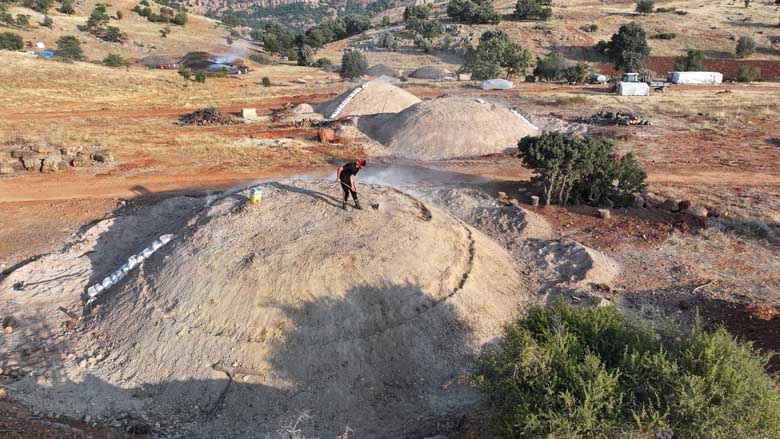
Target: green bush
x=577 y=372
x=200 y=76
x=748 y=73
x=11 y=41
x=421 y=12
x=67 y=7
x=69 y=48
x=353 y=65
x=533 y=9
x=425 y=28
x=323 y=63
x=119 y=15
x=185 y=72
x=692 y=61
x=22 y=20
x=665 y=36
x=496 y=51
x=746 y=46
x=645 y=6
x=574 y=170
x=575 y=73
x=115 y=60
x=628 y=48
x=47 y=22
x=266 y=81
x=473 y=11
x=550 y=68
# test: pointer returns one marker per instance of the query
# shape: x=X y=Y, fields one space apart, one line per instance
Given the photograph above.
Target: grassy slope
x=200 y=33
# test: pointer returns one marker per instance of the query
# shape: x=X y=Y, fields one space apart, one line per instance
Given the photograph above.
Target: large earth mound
x=447 y=127
x=372 y=97
x=255 y=313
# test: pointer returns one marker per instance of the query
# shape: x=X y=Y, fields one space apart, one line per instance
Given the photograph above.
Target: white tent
x=497 y=84
x=633 y=89
x=696 y=77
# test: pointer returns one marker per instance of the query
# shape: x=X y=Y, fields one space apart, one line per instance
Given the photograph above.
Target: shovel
x=374 y=206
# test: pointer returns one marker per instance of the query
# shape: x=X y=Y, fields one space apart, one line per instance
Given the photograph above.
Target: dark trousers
x=347 y=190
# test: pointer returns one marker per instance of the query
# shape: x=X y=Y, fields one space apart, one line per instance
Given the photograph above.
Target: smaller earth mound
x=383 y=70
x=430 y=72
x=373 y=97
x=448 y=127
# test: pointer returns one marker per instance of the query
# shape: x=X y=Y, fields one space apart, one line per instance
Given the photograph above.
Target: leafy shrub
x=67 y=7
x=645 y=6
x=266 y=81
x=628 y=48
x=119 y=15
x=41 y=6
x=581 y=170
x=323 y=63
x=473 y=11
x=353 y=65
x=421 y=12
x=550 y=68
x=291 y=54
x=423 y=43
x=200 y=76
x=692 y=61
x=22 y=20
x=185 y=72
x=69 y=48
x=113 y=34
x=665 y=10
x=115 y=60
x=425 y=28
x=99 y=18
x=575 y=73
x=47 y=22
x=496 y=51
x=533 y=9
x=11 y=41
x=180 y=18
x=746 y=46
x=305 y=56
x=576 y=372
x=665 y=36
x=530 y=78
x=748 y=73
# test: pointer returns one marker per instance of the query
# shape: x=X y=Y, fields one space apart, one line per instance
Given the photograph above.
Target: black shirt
x=348 y=171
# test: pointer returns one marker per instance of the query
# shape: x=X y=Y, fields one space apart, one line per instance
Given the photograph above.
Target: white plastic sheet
x=633 y=89
x=497 y=84
x=696 y=77
x=133 y=261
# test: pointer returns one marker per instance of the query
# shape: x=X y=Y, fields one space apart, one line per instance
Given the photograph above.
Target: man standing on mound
x=346 y=176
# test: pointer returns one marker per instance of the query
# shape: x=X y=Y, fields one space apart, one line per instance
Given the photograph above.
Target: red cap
x=361 y=162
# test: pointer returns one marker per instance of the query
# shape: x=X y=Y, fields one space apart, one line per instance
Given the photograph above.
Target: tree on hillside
x=421 y=12
x=67 y=7
x=574 y=170
x=11 y=41
x=115 y=60
x=628 y=48
x=473 y=11
x=69 y=48
x=353 y=65
x=99 y=17
x=645 y=6
x=180 y=18
x=425 y=28
x=496 y=51
x=692 y=61
x=305 y=56
x=533 y=9
x=551 y=68
x=746 y=46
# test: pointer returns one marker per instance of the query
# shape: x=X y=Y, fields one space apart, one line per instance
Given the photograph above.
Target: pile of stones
x=41 y=157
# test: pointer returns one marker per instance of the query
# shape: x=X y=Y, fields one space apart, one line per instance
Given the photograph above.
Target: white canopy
x=633 y=89
x=696 y=77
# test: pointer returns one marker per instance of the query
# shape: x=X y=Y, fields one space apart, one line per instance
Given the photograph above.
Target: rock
x=637 y=201
x=82 y=364
x=300 y=81
x=605 y=213
x=52 y=163
x=44 y=149
x=654 y=200
x=671 y=205
x=697 y=211
x=3 y=393
x=326 y=135
x=71 y=150
x=6 y=169
x=438 y=436
x=103 y=156
x=30 y=155
x=684 y=205
x=302 y=109
x=61 y=426
x=92 y=360
x=78 y=162
x=17 y=154
x=87 y=419
x=534 y=200
x=32 y=164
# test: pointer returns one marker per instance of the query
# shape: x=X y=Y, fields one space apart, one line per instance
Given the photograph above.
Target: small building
x=633 y=88
x=699 y=78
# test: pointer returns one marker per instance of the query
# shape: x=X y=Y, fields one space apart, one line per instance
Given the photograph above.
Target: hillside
x=712 y=27
x=143 y=36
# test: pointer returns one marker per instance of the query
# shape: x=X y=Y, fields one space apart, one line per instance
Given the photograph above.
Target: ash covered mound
x=447 y=127
x=372 y=97
x=257 y=312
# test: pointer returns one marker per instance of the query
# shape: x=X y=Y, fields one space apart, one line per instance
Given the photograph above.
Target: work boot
x=344 y=205
x=357 y=205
